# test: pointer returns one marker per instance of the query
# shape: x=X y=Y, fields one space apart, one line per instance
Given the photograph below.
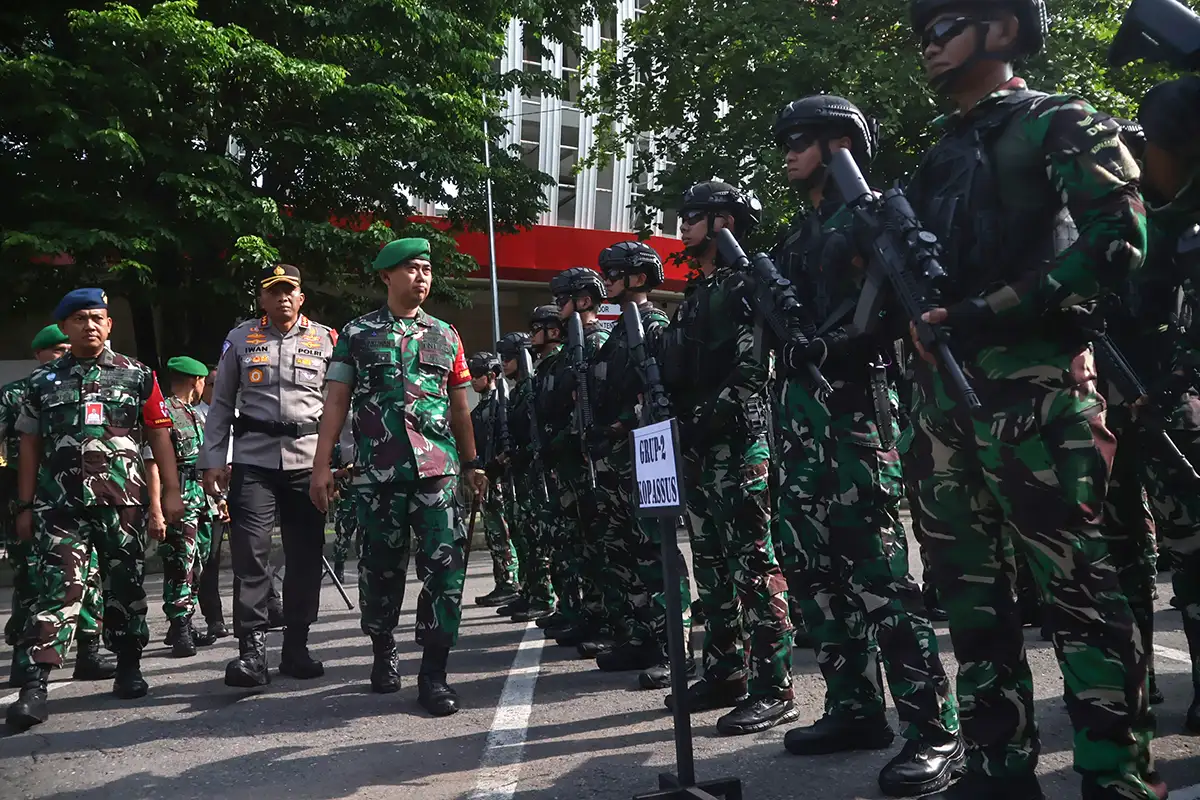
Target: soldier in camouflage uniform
x=485 y=368
x=1167 y=345
x=402 y=375
x=180 y=550
x=50 y=343
x=842 y=485
x=584 y=509
x=97 y=402
x=634 y=547
x=716 y=372
x=523 y=506
x=1028 y=469
x=345 y=516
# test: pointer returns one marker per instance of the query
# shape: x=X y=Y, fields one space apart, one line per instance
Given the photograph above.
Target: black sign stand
x=682 y=785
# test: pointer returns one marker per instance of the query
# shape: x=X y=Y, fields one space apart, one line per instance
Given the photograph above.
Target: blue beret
x=399 y=251
x=80 y=300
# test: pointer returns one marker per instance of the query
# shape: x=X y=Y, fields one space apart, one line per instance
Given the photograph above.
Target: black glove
x=797 y=355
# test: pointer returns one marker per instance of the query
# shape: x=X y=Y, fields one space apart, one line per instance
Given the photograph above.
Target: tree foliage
x=168 y=150
x=706 y=80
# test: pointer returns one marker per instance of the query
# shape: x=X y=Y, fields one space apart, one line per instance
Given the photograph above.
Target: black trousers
x=210 y=580
x=256 y=495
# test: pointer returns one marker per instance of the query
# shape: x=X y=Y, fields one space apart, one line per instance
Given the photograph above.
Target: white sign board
x=657 y=479
x=608 y=315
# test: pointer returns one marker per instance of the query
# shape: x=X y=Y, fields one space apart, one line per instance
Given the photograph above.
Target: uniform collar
x=1010 y=86
x=421 y=318
x=264 y=324
x=105 y=359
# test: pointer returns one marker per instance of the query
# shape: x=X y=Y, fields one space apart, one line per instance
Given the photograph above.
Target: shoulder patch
x=225 y=347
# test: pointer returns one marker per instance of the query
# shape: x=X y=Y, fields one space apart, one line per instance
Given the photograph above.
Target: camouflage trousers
x=25 y=562
x=635 y=558
x=345 y=528
x=608 y=579
x=849 y=564
x=1176 y=508
x=505 y=564
x=559 y=533
x=1030 y=471
x=738 y=581
x=180 y=554
x=73 y=545
x=389 y=515
x=533 y=551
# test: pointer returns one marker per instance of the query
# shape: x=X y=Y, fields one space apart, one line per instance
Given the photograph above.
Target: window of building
x=608 y=28
x=531 y=52
x=531 y=132
x=636 y=218
x=568 y=157
x=604 y=194
x=570 y=76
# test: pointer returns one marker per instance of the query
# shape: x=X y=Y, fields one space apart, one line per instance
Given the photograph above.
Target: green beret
x=47 y=337
x=185 y=365
x=399 y=251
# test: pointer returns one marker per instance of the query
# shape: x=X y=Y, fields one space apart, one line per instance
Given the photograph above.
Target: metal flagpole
x=487 y=164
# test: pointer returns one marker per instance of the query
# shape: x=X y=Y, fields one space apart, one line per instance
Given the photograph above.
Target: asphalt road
x=537 y=722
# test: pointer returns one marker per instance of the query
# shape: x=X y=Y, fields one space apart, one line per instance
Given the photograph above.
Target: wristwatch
x=475 y=464
x=20 y=506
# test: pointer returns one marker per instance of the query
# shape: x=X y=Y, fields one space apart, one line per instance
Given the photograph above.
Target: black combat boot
x=184 y=637
x=29 y=709
x=707 y=694
x=532 y=611
x=933 y=607
x=839 y=733
x=129 y=683
x=923 y=767
x=521 y=604
x=555 y=620
x=249 y=669
x=433 y=693
x=659 y=675
x=385 y=672
x=218 y=630
x=501 y=595
x=20 y=673
x=275 y=618
x=976 y=786
x=205 y=639
x=629 y=657
x=752 y=716
x=339 y=571
x=294 y=658
x=90 y=665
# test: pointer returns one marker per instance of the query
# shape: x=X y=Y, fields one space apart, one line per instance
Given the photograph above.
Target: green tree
x=167 y=151
x=707 y=85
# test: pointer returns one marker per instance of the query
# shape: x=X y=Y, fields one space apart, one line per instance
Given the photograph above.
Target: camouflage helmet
x=511 y=344
x=482 y=363
x=632 y=258
x=578 y=280
x=719 y=197
x=1032 y=16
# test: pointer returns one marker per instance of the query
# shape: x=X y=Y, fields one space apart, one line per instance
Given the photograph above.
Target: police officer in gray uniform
x=271 y=371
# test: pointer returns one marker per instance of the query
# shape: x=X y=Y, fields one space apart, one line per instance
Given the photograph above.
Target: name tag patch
x=255 y=349
x=306 y=351
x=93 y=414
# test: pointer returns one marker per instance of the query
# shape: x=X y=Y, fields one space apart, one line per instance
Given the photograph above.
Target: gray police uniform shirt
x=269 y=376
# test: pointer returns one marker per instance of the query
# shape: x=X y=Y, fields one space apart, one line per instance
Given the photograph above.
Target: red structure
x=536 y=254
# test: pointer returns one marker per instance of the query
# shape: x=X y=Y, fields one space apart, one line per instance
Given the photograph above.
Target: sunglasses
x=480 y=373
x=614 y=274
x=561 y=300
x=944 y=31
x=540 y=327
x=799 y=141
x=692 y=217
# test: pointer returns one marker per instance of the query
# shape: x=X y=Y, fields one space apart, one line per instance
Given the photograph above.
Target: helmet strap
x=948 y=81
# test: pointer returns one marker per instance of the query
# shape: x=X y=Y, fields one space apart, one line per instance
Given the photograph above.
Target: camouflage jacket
x=11 y=396
x=187 y=437
x=400 y=372
x=90 y=415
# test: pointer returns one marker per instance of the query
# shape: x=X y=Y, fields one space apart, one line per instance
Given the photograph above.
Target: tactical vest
x=810 y=256
x=187 y=435
x=614 y=375
x=983 y=190
x=692 y=359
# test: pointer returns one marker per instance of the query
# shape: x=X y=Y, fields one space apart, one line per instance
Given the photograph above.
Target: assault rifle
x=585 y=418
x=656 y=406
x=903 y=254
x=525 y=373
x=772 y=300
x=1128 y=389
x=501 y=442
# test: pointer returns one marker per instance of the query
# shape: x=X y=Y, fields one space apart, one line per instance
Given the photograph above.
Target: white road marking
x=1187 y=792
x=1174 y=655
x=500 y=768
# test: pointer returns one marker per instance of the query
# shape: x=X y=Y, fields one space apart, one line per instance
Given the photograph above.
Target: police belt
x=243 y=424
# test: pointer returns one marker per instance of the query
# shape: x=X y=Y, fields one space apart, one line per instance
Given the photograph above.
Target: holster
x=881 y=399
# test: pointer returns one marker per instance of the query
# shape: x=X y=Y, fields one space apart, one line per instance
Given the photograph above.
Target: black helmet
x=543 y=315
x=631 y=258
x=1032 y=16
x=578 y=280
x=511 y=344
x=1170 y=114
x=716 y=197
x=482 y=363
x=828 y=112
